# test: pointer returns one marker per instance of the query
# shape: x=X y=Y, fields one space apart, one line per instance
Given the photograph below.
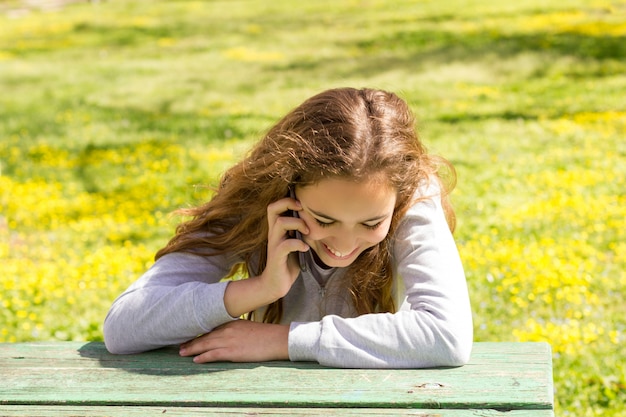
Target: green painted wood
x=500 y=376
x=140 y=411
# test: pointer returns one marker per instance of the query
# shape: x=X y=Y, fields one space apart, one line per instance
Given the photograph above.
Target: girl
x=375 y=280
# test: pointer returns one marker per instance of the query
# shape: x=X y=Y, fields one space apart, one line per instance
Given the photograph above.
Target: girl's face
x=345 y=218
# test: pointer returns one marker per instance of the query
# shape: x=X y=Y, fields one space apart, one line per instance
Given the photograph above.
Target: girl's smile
x=345 y=217
x=336 y=254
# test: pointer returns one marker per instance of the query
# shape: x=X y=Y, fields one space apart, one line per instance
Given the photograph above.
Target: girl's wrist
x=247 y=295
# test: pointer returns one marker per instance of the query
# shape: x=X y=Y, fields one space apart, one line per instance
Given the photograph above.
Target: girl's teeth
x=337 y=254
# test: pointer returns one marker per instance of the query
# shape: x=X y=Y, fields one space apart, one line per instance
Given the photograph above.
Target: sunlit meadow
x=113 y=114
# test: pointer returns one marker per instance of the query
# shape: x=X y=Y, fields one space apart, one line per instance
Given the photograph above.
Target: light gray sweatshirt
x=182 y=296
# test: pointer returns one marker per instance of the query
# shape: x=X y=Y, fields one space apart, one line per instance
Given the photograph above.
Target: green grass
x=112 y=114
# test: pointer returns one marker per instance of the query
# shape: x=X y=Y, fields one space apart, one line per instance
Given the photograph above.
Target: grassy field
x=112 y=114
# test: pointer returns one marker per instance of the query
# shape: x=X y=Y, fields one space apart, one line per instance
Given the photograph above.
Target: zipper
x=322 y=291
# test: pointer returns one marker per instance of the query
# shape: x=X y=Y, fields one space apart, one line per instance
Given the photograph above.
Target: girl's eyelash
x=367 y=226
x=321 y=223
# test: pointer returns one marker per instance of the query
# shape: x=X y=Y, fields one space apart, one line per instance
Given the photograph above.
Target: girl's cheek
x=380 y=234
x=315 y=232
x=376 y=237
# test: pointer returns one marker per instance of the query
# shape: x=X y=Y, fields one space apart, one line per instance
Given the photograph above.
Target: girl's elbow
x=447 y=345
x=113 y=348
x=116 y=338
x=458 y=348
x=116 y=346
x=111 y=341
x=459 y=355
x=448 y=342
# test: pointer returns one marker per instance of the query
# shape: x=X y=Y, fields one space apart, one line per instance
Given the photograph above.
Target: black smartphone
x=298 y=235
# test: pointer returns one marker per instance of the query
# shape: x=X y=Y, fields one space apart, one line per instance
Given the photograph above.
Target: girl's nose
x=345 y=242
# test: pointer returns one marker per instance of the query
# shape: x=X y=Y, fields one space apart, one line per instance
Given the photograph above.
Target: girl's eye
x=324 y=224
x=367 y=226
x=372 y=226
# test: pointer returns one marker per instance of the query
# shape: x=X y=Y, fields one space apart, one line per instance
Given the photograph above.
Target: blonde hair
x=340 y=133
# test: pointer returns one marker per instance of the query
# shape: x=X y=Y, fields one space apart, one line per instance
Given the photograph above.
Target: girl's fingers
x=196 y=346
x=281 y=224
x=238 y=341
x=288 y=225
x=207 y=342
x=282 y=268
x=280 y=210
x=279 y=207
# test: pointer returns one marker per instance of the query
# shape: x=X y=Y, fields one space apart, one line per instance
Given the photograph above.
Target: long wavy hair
x=342 y=133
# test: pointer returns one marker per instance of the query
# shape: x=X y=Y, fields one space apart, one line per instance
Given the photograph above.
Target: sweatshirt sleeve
x=433 y=327
x=178 y=298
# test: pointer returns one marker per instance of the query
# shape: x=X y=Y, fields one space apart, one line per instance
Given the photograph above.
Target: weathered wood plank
x=141 y=411
x=500 y=376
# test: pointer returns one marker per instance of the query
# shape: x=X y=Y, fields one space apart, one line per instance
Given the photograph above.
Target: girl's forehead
x=336 y=198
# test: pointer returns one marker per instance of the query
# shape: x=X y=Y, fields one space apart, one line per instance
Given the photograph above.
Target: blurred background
x=115 y=113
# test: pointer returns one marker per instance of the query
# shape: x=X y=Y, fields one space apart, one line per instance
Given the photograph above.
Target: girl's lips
x=337 y=255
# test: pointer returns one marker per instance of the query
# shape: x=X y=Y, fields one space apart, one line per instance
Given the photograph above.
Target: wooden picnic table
x=83 y=379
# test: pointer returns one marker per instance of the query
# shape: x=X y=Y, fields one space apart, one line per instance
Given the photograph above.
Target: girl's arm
x=246 y=341
x=281 y=270
x=177 y=299
x=434 y=324
x=181 y=296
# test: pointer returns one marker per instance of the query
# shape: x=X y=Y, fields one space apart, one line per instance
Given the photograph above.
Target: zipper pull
x=322 y=291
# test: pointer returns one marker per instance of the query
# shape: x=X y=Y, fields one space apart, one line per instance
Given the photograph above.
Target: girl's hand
x=240 y=341
x=282 y=266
